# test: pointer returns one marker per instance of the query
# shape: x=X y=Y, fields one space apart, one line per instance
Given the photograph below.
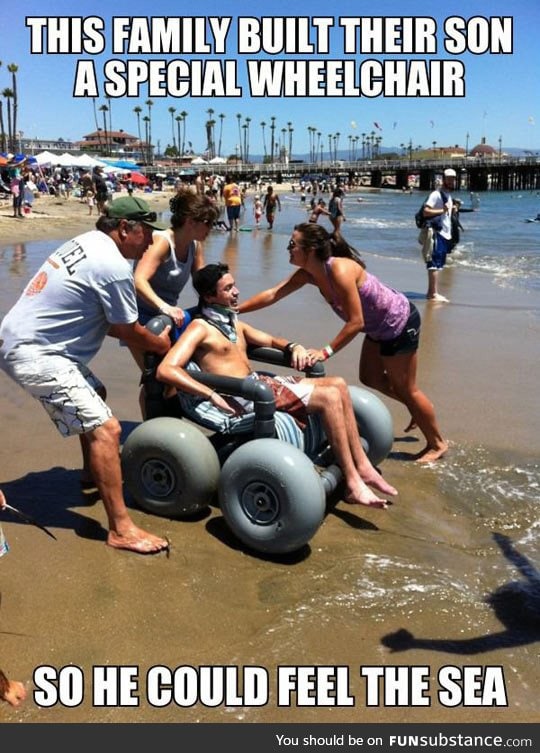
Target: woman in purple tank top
x=391 y=323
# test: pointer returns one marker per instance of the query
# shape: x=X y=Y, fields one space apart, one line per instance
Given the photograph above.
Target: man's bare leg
x=326 y=400
x=103 y=445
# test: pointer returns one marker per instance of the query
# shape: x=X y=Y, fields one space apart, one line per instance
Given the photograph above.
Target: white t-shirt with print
x=80 y=290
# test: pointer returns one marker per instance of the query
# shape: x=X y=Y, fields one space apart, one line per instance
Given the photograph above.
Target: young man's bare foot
x=137 y=540
x=15 y=694
x=362 y=495
x=11 y=691
x=430 y=454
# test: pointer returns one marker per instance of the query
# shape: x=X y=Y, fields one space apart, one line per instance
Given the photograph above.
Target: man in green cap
x=83 y=292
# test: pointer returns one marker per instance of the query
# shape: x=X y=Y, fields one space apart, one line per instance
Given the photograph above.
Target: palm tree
x=310 y=136
x=184 y=115
x=263 y=126
x=272 y=139
x=372 y=140
x=149 y=103
x=221 y=117
x=146 y=121
x=246 y=140
x=8 y=94
x=239 y=118
x=290 y=130
x=210 y=133
x=283 y=149
x=172 y=110
x=245 y=128
x=319 y=146
x=2 y=131
x=137 y=111
x=179 y=119
x=12 y=68
x=104 y=109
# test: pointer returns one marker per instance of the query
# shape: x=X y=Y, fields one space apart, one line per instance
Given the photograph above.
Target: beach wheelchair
x=271 y=478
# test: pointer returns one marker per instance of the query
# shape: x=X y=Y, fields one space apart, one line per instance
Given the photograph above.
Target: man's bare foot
x=137 y=540
x=362 y=495
x=411 y=426
x=15 y=693
x=430 y=454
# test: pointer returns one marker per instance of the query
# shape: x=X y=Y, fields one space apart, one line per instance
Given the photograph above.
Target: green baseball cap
x=132 y=208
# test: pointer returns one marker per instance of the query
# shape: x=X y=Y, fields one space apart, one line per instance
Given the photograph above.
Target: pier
x=505 y=174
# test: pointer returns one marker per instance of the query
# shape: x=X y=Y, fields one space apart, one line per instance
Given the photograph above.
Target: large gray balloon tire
x=271 y=496
x=170 y=467
x=374 y=423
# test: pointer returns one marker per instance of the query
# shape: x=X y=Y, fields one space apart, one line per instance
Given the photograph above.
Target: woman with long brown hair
x=174 y=256
x=391 y=323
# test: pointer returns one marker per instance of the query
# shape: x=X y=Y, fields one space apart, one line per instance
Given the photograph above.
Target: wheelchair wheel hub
x=158 y=478
x=260 y=503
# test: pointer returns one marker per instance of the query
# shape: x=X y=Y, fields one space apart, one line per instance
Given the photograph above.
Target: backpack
x=422 y=221
x=419 y=218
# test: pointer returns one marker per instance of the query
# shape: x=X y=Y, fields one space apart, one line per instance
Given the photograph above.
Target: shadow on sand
x=516 y=604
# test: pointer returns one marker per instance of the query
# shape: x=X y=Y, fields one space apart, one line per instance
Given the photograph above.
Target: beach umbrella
x=123 y=164
x=139 y=179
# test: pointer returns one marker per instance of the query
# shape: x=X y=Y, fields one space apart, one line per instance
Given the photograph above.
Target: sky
x=498 y=92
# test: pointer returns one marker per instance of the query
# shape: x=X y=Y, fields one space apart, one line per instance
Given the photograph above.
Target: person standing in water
x=271 y=201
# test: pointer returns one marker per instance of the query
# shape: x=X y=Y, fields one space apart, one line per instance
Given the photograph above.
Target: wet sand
x=77 y=602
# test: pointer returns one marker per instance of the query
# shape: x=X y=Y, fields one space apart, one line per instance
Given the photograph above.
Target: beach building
x=115 y=144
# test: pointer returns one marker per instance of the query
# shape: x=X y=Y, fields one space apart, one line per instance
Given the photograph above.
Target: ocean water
x=496 y=241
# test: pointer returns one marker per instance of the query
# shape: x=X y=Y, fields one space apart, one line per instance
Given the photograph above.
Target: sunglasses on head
x=143 y=216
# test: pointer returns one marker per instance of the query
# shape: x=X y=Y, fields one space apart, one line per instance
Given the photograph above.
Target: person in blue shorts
x=438 y=209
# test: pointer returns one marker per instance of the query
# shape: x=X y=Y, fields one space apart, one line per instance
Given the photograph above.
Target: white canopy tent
x=45 y=158
x=85 y=160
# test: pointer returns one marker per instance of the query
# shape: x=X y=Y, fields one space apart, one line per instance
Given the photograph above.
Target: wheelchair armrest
x=264 y=405
x=282 y=358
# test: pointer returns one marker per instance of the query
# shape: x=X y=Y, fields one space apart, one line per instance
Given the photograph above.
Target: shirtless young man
x=218 y=343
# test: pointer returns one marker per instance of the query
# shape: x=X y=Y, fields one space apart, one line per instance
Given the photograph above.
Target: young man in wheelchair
x=217 y=342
